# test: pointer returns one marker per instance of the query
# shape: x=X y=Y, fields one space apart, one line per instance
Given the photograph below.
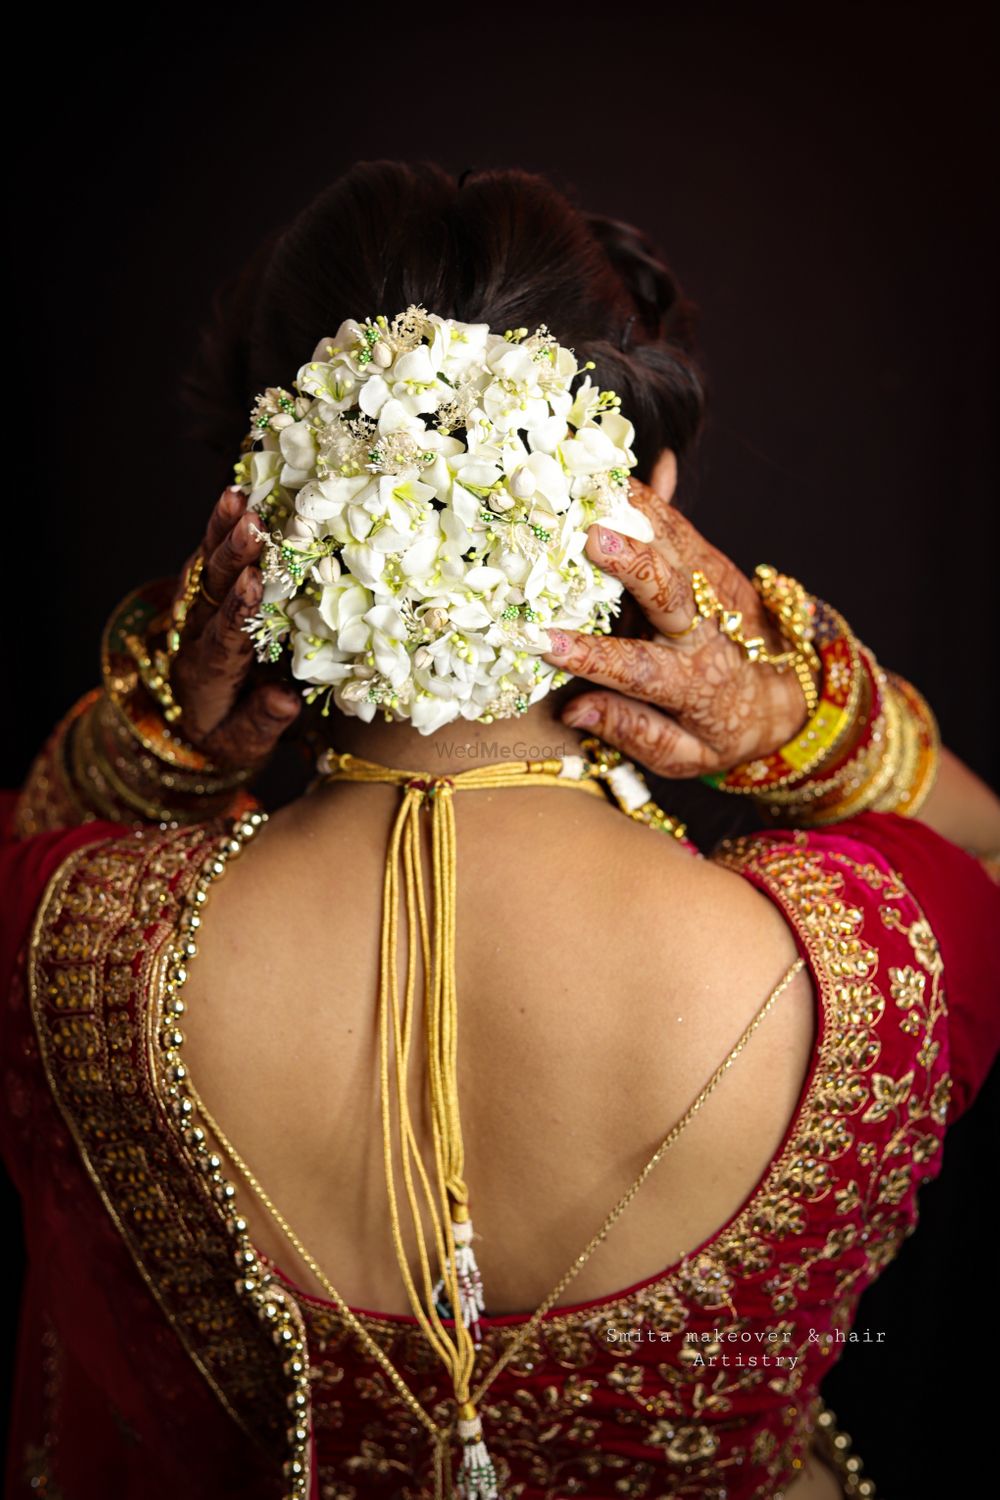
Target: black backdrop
x=819 y=177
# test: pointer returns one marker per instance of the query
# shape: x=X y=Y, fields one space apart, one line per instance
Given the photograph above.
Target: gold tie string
x=430 y=935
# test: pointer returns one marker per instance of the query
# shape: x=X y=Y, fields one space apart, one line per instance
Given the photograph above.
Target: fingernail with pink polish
x=583 y=718
x=559 y=643
x=608 y=541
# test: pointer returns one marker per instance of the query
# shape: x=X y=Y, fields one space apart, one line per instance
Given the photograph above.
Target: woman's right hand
x=235 y=730
x=685 y=700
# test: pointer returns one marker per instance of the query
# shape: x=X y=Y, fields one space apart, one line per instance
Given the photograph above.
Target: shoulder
x=103 y=931
x=128 y=878
x=887 y=894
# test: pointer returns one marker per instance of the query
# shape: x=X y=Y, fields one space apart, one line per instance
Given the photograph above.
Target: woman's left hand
x=234 y=722
x=686 y=705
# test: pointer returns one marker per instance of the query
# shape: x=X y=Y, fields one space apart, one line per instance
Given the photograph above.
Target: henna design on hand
x=718 y=708
x=211 y=668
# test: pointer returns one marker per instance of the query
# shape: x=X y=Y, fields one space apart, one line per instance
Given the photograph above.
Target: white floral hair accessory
x=426 y=492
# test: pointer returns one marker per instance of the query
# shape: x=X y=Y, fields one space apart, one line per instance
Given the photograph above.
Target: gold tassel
x=430 y=936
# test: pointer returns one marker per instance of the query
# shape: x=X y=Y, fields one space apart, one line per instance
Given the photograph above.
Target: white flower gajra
x=426 y=490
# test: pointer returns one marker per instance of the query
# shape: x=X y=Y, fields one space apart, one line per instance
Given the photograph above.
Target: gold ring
x=675 y=635
x=215 y=603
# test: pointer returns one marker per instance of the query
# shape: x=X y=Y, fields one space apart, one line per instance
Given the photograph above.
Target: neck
x=537 y=735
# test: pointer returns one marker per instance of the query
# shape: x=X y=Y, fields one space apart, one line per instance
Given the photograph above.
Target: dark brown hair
x=498 y=247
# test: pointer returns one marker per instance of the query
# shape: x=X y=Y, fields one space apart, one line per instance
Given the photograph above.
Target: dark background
x=820 y=179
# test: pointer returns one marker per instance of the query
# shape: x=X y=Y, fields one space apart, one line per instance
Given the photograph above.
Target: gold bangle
x=915 y=786
x=132 y=714
x=807 y=683
x=120 y=801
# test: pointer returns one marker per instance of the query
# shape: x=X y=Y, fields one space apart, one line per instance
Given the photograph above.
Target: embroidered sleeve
x=957 y=934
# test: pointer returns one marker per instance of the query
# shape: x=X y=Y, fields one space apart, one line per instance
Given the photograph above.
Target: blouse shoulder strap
x=104 y=937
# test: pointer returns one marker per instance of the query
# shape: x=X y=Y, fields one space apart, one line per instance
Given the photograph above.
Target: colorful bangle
x=126 y=758
x=832 y=777
x=114 y=756
x=141 y=783
x=824 y=733
x=140 y=616
x=118 y=786
x=100 y=785
x=891 y=767
x=916 y=778
x=143 y=769
x=872 y=772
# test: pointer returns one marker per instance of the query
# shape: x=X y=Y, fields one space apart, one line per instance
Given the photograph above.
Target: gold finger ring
x=730 y=623
x=675 y=635
x=215 y=603
x=790 y=606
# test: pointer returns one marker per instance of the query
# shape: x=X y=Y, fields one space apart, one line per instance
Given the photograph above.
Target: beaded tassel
x=477 y=1478
x=470 y=1281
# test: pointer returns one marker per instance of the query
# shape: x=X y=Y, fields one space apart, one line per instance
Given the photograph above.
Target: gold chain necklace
x=432 y=937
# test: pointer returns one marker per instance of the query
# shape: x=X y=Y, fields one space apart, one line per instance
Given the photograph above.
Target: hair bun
x=661 y=309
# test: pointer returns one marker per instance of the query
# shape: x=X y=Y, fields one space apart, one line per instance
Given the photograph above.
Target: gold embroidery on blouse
x=99 y=955
x=104 y=927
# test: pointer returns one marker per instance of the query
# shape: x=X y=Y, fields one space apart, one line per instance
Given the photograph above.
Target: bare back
x=603 y=975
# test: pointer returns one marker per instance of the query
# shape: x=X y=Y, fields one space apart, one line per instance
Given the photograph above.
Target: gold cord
x=447 y=1202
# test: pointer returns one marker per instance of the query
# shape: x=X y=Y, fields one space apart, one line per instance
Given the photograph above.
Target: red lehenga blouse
x=145 y=1370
